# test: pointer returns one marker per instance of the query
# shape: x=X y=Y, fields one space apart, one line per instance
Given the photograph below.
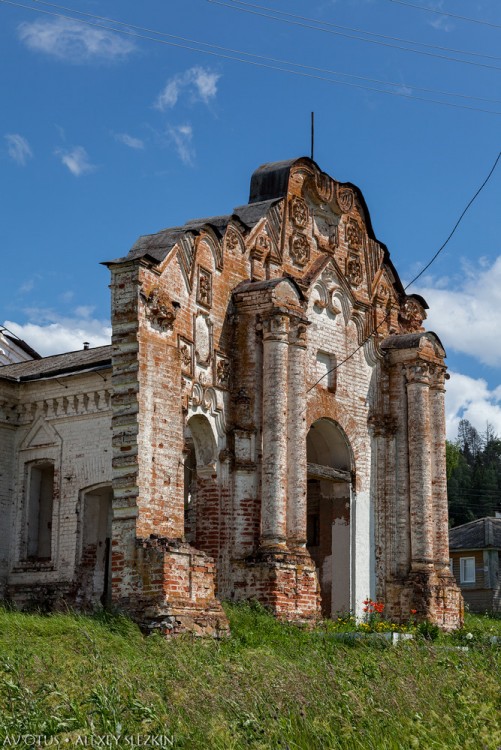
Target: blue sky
x=106 y=136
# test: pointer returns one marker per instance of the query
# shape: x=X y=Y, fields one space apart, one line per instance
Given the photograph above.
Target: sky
x=105 y=136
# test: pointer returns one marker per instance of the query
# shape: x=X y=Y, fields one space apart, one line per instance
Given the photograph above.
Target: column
x=439 y=469
x=420 y=476
x=296 y=436
x=274 y=462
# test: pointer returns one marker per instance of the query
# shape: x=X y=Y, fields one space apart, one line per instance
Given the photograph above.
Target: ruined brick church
x=267 y=424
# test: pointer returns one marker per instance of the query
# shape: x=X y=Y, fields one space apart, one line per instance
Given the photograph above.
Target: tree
x=473 y=474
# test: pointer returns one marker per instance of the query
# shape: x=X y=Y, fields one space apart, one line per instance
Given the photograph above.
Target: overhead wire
x=267 y=15
x=322 y=22
x=446 y=13
x=176 y=44
x=277 y=60
x=435 y=256
x=256 y=62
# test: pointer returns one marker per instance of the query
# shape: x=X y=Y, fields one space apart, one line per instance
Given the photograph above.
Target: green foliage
x=473 y=474
x=271 y=686
x=428 y=630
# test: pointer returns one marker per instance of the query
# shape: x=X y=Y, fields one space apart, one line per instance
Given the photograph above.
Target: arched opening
x=328 y=513
x=201 y=491
x=94 y=569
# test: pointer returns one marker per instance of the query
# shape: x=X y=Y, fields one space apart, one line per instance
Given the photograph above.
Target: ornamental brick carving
x=262 y=246
x=299 y=249
x=223 y=372
x=297 y=334
x=411 y=315
x=345 y=199
x=202 y=335
x=353 y=235
x=232 y=240
x=419 y=372
x=161 y=311
x=204 y=288
x=186 y=355
x=276 y=327
x=299 y=212
x=333 y=237
x=354 y=270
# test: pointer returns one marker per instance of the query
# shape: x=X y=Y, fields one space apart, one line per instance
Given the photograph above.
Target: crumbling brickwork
x=277 y=421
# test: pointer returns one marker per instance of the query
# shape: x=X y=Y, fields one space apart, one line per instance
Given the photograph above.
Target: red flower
x=413 y=611
x=366 y=609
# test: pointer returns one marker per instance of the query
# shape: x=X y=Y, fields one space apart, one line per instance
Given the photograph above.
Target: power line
x=359 y=31
x=351 y=36
x=273 y=59
x=336 y=367
x=445 y=13
x=255 y=63
x=457 y=222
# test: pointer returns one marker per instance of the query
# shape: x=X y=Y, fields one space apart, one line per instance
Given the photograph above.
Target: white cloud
x=470 y=398
x=201 y=83
x=468 y=317
x=54 y=334
x=441 y=23
x=73 y=41
x=182 y=136
x=76 y=159
x=27 y=286
x=18 y=148
x=129 y=140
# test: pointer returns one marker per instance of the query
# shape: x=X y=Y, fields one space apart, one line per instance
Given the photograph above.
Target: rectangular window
x=39 y=516
x=326 y=364
x=467 y=570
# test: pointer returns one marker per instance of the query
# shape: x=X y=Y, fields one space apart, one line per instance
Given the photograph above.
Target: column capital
x=297 y=333
x=439 y=375
x=418 y=371
x=276 y=326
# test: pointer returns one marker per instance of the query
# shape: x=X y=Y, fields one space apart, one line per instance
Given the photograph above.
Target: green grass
x=70 y=677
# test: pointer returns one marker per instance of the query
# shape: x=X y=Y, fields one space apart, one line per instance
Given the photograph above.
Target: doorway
x=328 y=513
x=94 y=570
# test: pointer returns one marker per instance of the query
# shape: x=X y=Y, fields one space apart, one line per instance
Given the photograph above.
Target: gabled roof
x=484 y=532
x=58 y=364
x=23 y=346
x=156 y=246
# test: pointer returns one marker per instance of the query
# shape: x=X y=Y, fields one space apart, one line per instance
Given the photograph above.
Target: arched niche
x=204 y=443
x=201 y=489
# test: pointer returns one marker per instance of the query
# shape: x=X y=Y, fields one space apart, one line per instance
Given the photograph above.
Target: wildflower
x=413 y=611
x=469 y=636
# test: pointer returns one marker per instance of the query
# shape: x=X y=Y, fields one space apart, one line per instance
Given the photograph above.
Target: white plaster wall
x=68 y=422
x=363 y=551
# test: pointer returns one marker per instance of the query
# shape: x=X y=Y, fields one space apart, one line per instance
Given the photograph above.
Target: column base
x=172 y=590
x=434 y=595
x=285 y=582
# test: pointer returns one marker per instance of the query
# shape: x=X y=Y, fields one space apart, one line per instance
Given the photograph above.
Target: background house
x=14 y=349
x=475 y=550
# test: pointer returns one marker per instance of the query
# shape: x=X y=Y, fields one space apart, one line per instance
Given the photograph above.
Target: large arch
x=330 y=471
